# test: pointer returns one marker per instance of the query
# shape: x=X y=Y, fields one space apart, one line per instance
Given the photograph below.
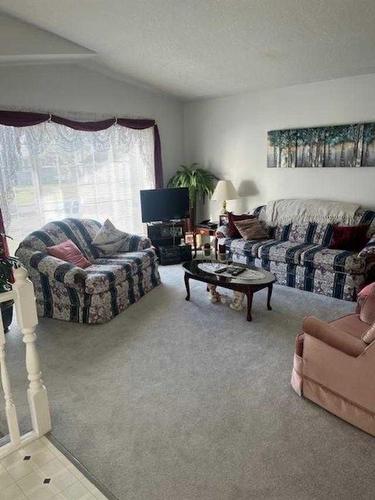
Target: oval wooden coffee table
x=243 y=286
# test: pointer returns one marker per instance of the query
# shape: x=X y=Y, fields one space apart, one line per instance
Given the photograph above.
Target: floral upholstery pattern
x=338 y=285
x=97 y=293
x=108 y=272
x=333 y=260
x=245 y=247
x=299 y=256
x=299 y=232
x=283 y=251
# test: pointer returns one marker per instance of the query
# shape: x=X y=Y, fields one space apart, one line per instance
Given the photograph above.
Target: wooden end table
x=204 y=231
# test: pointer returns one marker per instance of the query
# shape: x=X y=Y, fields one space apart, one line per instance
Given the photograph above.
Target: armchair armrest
x=135 y=243
x=334 y=337
x=52 y=267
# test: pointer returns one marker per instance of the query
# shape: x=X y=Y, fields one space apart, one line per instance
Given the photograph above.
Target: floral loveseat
x=97 y=293
x=298 y=254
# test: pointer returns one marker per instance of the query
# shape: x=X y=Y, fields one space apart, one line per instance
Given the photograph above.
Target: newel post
x=10 y=409
x=27 y=320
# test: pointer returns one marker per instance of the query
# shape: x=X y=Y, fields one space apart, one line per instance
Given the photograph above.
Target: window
x=50 y=171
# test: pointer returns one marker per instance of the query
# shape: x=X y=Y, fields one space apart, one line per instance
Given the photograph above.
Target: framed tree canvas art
x=335 y=146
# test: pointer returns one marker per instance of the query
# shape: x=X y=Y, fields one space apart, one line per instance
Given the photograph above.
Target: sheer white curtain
x=50 y=171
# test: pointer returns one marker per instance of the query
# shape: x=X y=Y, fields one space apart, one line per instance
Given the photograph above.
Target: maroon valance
x=27 y=119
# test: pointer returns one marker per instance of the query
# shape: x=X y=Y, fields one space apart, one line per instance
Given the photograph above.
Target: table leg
x=269 y=295
x=249 y=296
x=186 y=279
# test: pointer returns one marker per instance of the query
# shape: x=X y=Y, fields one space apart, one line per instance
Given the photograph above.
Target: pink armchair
x=334 y=363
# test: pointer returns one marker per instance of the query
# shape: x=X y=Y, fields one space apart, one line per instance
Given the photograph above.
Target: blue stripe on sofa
x=69 y=234
x=74 y=304
x=257 y=210
x=140 y=284
x=310 y=233
x=154 y=279
x=114 y=305
x=125 y=266
x=61 y=271
x=338 y=285
x=326 y=240
x=86 y=308
x=339 y=261
x=85 y=234
x=43 y=237
x=367 y=217
x=292 y=251
x=131 y=295
x=291 y=275
x=134 y=243
x=47 y=296
x=36 y=258
x=285 y=232
x=309 y=266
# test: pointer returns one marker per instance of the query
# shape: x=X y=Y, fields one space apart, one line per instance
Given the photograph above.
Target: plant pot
x=7 y=314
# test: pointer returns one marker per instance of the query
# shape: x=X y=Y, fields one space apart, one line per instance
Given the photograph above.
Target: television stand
x=166 y=238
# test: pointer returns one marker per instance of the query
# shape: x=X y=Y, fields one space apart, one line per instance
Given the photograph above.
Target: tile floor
x=39 y=471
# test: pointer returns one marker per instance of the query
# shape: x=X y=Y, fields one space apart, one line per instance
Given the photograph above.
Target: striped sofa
x=97 y=293
x=299 y=256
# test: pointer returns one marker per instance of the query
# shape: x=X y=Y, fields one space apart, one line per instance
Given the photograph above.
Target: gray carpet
x=186 y=400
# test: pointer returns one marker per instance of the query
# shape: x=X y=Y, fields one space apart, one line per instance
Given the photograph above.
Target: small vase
x=207 y=250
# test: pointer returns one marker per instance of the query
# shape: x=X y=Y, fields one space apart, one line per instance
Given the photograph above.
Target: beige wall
x=65 y=88
x=229 y=135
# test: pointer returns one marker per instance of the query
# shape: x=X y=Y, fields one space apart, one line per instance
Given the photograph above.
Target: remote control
x=222 y=270
x=237 y=271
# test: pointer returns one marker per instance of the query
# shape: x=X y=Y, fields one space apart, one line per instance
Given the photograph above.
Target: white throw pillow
x=109 y=239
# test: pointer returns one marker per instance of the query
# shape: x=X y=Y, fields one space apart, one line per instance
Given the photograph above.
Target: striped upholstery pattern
x=299 y=256
x=97 y=293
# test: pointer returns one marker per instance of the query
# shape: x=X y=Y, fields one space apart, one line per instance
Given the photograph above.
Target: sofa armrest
x=368 y=252
x=222 y=231
x=52 y=267
x=135 y=243
x=333 y=336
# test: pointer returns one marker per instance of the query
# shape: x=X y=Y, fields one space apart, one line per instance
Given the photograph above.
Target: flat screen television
x=164 y=204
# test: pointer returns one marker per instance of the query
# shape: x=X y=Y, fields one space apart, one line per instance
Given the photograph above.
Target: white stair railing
x=23 y=295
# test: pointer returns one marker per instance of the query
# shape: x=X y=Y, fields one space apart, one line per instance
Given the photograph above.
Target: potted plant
x=7 y=264
x=198 y=180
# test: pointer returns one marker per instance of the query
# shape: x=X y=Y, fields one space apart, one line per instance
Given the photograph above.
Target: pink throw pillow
x=366 y=302
x=69 y=252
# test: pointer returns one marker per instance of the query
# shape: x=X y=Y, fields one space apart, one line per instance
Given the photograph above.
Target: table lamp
x=224 y=191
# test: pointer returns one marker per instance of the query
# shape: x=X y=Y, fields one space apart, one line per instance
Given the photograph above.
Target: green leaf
x=198 y=180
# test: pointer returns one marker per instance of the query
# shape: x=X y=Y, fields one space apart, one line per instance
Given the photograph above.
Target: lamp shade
x=224 y=191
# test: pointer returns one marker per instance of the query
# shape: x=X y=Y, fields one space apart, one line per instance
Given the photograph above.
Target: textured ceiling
x=204 y=48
